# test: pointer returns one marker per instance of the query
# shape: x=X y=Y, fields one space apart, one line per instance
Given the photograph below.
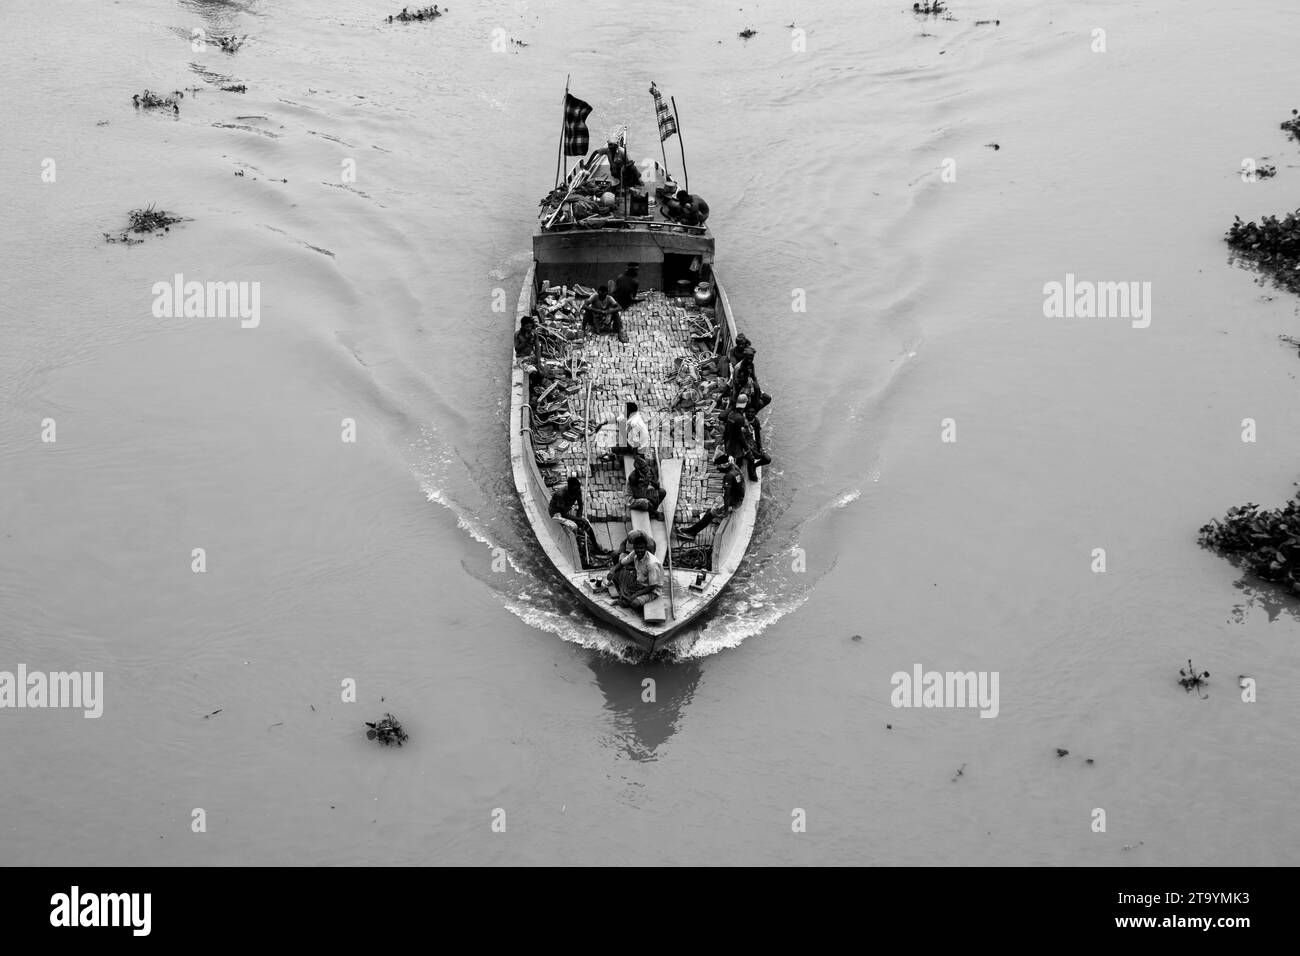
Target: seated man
x=638 y=575
x=643 y=491
x=733 y=493
x=627 y=285
x=692 y=209
x=526 y=338
x=566 y=508
x=601 y=311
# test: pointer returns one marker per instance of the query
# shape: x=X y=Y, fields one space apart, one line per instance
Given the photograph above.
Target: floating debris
x=149 y=100
x=1089 y=761
x=993 y=146
x=213 y=714
x=857 y=637
x=230 y=44
x=1190 y=678
x=424 y=13
x=747 y=33
x=1292 y=126
x=981 y=23
x=235 y=88
x=387 y=731
x=960 y=772
x=1264 y=543
x=1265 y=172
x=1273 y=245
x=1061 y=751
x=929 y=8
x=145 y=221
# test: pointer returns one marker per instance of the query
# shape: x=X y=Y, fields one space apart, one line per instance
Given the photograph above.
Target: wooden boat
x=680 y=301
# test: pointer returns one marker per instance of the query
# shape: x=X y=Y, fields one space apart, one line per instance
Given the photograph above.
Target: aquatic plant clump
x=1265 y=543
x=145 y=221
x=1273 y=244
x=387 y=731
x=1192 y=679
x=230 y=44
x=149 y=100
x=415 y=16
x=930 y=8
x=1292 y=126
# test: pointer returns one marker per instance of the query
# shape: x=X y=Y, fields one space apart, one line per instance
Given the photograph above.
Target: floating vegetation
x=747 y=33
x=1061 y=752
x=235 y=88
x=412 y=16
x=1273 y=245
x=144 y=221
x=993 y=146
x=1292 y=126
x=981 y=23
x=1265 y=172
x=149 y=100
x=1264 y=543
x=387 y=731
x=930 y=8
x=1191 y=678
x=230 y=44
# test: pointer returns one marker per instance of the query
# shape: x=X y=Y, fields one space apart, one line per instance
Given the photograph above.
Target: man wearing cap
x=733 y=493
x=627 y=285
x=738 y=436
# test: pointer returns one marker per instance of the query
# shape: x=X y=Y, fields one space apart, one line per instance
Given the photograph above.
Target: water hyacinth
x=1273 y=244
x=1292 y=126
x=1264 y=543
x=149 y=100
x=414 y=16
x=387 y=731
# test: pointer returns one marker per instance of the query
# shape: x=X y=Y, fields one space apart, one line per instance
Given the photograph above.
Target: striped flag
x=576 y=137
x=667 y=125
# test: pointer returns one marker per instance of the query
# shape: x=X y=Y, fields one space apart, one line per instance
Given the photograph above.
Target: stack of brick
x=659 y=330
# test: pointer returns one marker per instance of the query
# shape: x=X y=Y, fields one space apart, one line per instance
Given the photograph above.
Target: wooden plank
x=602 y=534
x=656 y=611
x=670 y=479
x=640 y=519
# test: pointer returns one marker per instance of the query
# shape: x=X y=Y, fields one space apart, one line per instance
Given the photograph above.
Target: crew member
x=602 y=311
x=627 y=285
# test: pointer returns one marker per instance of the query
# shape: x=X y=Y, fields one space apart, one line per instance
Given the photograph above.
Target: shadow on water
x=641 y=725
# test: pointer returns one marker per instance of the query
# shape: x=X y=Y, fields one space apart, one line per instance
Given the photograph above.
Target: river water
x=391 y=174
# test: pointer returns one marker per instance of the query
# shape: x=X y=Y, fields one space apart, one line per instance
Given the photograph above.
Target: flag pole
x=563 y=110
x=681 y=142
x=662 y=151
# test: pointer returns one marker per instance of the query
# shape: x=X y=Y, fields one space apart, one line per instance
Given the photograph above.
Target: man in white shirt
x=638 y=434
